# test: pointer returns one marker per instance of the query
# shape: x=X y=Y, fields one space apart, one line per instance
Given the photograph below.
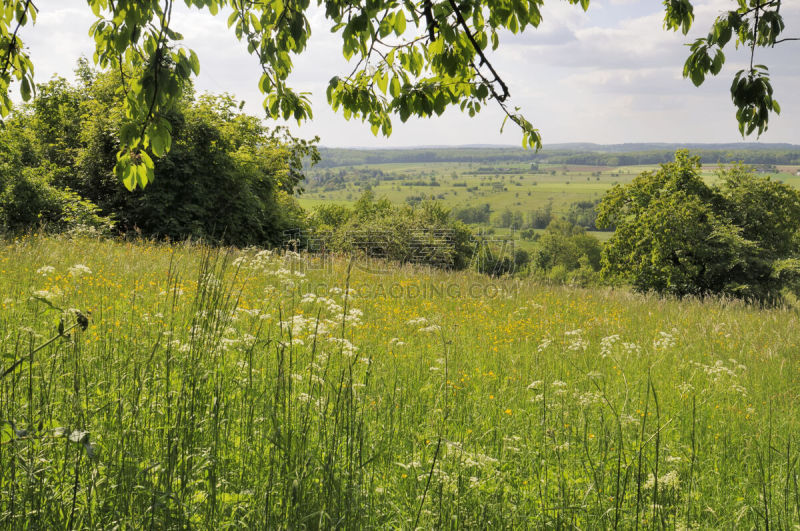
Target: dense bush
x=566 y=254
x=226 y=179
x=28 y=201
x=473 y=214
x=584 y=214
x=425 y=234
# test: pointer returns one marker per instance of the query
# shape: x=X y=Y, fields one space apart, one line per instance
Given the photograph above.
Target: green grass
x=211 y=391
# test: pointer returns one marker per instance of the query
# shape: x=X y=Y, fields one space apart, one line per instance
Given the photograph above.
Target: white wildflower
x=546 y=342
x=78 y=270
x=664 y=341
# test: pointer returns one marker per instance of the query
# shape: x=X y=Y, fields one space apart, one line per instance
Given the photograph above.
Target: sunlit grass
x=222 y=389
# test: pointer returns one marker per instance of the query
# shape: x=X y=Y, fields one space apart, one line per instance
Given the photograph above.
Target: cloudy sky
x=610 y=75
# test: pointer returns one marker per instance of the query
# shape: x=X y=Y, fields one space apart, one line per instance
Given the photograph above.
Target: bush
x=29 y=200
x=567 y=246
x=226 y=179
x=424 y=234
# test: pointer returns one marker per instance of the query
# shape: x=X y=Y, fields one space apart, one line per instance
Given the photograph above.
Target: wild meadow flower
x=348 y=349
x=45 y=270
x=49 y=295
x=670 y=480
x=664 y=340
x=631 y=348
x=308 y=298
x=546 y=342
x=78 y=270
x=607 y=344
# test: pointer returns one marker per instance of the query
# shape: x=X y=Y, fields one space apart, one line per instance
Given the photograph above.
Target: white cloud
x=609 y=75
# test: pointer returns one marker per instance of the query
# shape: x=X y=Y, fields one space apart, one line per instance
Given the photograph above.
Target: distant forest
x=586 y=154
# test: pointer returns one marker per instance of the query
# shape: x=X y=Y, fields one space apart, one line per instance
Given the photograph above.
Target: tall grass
x=229 y=389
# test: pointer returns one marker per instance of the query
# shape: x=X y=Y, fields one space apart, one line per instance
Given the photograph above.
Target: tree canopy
x=677 y=235
x=412 y=58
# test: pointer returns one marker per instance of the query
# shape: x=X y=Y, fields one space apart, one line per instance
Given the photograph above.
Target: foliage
x=29 y=200
x=677 y=235
x=753 y=24
x=473 y=214
x=227 y=178
x=566 y=254
x=424 y=234
x=437 y=61
x=583 y=213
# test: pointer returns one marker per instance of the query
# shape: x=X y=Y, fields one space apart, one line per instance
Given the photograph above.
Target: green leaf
x=400 y=23
x=6 y=432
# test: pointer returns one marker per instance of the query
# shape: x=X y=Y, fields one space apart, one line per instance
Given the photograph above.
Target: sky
x=609 y=75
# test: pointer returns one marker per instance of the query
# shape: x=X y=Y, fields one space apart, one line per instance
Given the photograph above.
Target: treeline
x=708 y=156
x=716 y=154
x=581 y=213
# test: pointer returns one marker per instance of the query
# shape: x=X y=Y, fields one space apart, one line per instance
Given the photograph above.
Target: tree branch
x=12 y=45
x=484 y=61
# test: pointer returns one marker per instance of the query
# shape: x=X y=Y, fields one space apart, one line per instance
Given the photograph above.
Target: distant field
x=460 y=184
x=518 y=186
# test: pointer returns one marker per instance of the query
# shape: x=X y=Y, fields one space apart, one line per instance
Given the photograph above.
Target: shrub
x=29 y=200
x=567 y=245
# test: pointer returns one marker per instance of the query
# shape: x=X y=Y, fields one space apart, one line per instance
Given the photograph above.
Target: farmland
x=228 y=389
x=503 y=185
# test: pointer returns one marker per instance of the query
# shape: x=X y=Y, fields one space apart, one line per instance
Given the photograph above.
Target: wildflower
x=348 y=349
x=304 y=397
x=43 y=294
x=607 y=344
x=45 y=270
x=78 y=270
x=664 y=340
x=544 y=344
x=670 y=480
x=631 y=348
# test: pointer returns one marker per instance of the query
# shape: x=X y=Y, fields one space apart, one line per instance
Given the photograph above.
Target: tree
x=414 y=58
x=567 y=245
x=676 y=235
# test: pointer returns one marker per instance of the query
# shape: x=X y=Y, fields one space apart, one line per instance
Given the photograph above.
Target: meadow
x=221 y=389
x=506 y=184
